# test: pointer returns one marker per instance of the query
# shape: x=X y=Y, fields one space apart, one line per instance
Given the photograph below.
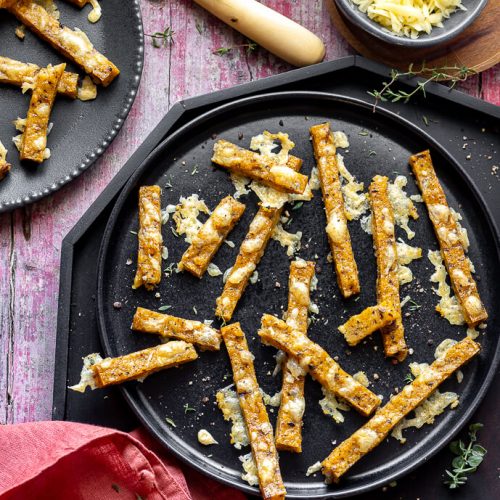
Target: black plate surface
x=165 y=394
x=82 y=130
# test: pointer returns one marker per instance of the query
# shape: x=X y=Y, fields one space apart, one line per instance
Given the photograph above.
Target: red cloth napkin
x=65 y=460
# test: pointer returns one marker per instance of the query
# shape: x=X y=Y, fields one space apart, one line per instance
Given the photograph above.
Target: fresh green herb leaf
x=195 y=170
x=426 y=120
x=188 y=408
x=363 y=132
x=372 y=153
x=164 y=308
x=174 y=232
x=298 y=205
x=162 y=38
x=413 y=305
x=409 y=378
x=133 y=232
x=467 y=459
x=170 y=422
x=453 y=74
x=222 y=51
x=169 y=270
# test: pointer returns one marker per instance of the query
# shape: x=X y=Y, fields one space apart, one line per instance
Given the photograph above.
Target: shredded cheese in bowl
x=409 y=17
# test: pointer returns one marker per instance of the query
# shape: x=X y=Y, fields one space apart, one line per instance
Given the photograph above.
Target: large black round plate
x=172 y=166
x=82 y=130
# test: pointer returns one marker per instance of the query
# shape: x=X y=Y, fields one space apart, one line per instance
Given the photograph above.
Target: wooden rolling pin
x=269 y=29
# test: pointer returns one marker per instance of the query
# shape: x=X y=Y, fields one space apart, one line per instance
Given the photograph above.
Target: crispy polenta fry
x=259 y=168
x=384 y=242
x=73 y=44
x=194 y=332
x=254 y=412
x=21 y=74
x=314 y=359
x=251 y=251
x=150 y=239
x=289 y=423
x=446 y=230
x=211 y=235
x=34 y=138
x=344 y=456
x=373 y=318
x=336 y=229
x=136 y=365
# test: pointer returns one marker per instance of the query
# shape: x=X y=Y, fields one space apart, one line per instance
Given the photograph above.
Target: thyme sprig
x=467 y=459
x=222 y=51
x=162 y=38
x=453 y=74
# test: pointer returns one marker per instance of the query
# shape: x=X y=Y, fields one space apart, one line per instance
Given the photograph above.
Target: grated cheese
x=213 y=270
x=205 y=438
x=402 y=205
x=355 y=200
x=88 y=90
x=240 y=183
x=186 y=216
x=313 y=468
x=409 y=18
x=331 y=406
x=20 y=32
x=250 y=468
x=448 y=305
x=87 y=375
x=406 y=254
x=228 y=402
x=290 y=240
x=271 y=400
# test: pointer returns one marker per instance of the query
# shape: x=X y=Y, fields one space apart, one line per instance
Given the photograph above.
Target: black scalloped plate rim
x=98 y=151
x=136 y=405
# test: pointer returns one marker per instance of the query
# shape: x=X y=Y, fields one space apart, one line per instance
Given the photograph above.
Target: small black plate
x=82 y=130
x=165 y=394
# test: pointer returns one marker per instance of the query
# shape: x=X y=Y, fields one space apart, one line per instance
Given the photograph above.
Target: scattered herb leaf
x=164 y=308
x=222 y=51
x=188 y=408
x=174 y=232
x=195 y=170
x=170 y=422
x=467 y=459
x=409 y=378
x=413 y=305
x=195 y=310
x=133 y=232
x=426 y=120
x=363 y=132
x=372 y=153
x=162 y=38
x=298 y=205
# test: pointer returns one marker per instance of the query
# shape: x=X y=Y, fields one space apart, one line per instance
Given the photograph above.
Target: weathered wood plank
x=185 y=69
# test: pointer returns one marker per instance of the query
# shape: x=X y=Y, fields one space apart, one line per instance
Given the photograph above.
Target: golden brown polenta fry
x=150 y=239
x=254 y=412
x=384 y=242
x=446 y=230
x=344 y=456
x=314 y=359
x=211 y=235
x=336 y=229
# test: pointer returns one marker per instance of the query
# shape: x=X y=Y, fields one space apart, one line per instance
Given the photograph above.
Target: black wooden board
x=85 y=238
x=82 y=130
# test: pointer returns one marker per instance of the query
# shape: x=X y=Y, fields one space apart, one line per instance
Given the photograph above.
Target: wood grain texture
x=30 y=238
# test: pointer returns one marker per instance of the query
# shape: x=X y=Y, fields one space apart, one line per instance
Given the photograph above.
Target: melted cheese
x=331 y=406
x=240 y=183
x=271 y=400
x=229 y=404
x=355 y=200
x=88 y=90
x=87 y=375
x=406 y=254
x=313 y=468
x=186 y=216
x=3 y=152
x=250 y=470
x=205 y=438
x=96 y=12
x=402 y=205
x=290 y=240
x=448 y=305
x=50 y=7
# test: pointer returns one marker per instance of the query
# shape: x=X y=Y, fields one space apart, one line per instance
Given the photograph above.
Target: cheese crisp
x=336 y=229
x=150 y=240
x=261 y=168
x=4 y=165
x=73 y=44
x=211 y=235
x=289 y=424
x=314 y=359
x=140 y=364
x=384 y=242
x=34 y=138
x=23 y=75
x=446 y=230
x=194 y=332
x=378 y=427
x=254 y=412
x=373 y=318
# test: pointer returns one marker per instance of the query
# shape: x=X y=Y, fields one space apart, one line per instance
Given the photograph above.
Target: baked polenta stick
x=446 y=230
x=289 y=423
x=34 y=138
x=73 y=44
x=150 y=240
x=384 y=242
x=254 y=412
x=336 y=229
x=259 y=168
x=194 y=332
x=251 y=251
x=17 y=73
x=211 y=235
x=314 y=359
x=378 y=427
x=4 y=164
x=110 y=371
x=357 y=327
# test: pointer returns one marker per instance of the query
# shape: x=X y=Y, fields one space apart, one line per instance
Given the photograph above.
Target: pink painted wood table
x=30 y=238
